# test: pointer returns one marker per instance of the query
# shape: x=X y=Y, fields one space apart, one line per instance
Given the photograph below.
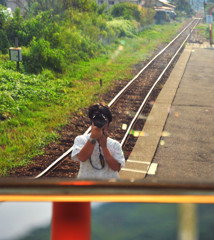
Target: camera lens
x=99 y=120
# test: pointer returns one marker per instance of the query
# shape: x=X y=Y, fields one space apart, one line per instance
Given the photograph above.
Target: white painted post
x=188 y=222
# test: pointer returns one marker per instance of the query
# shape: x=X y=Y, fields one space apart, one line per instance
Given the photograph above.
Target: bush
x=126 y=10
x=39 y=55
x=161 y=17
x=81 y=32
x=13 y=26
x=133 y=11
x=123 y=28
x=4 y=15
x=4 y=44
x=147 y=16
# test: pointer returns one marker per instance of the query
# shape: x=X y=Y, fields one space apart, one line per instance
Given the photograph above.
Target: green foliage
x=123 y=28
x=126 y=10
x=133 y=11
x=59 y=7
x=3 y=2
x=79 y=32
x=36 y=6
x=4 y=43
x=161 y=17
x=4 y=15
x=121 y=221
x=204 y=30
x=183 y=8
x=81 y=5
x=13 y=26
x=206 y=224
x=134 y=221
x=82 y=36
x=40 y=55
x=18 y=91
x=147 y=16
x=68 y=53
x=42 y=26
x=43 y=233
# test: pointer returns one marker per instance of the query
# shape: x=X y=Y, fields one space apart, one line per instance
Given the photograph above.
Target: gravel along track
x=122 y=111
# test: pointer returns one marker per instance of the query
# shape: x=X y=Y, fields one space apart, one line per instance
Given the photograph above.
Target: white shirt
x=86 y=171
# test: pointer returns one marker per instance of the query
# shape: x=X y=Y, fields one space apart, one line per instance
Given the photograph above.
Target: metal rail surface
x=115 y=99
x=152 y=88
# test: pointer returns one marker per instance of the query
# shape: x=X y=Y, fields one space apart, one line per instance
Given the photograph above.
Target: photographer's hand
x=87 y=150
x=103 y=138
x=96 y=132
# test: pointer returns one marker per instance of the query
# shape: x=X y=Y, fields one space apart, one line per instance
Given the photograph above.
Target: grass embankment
x=41 y=104
x=204 y=30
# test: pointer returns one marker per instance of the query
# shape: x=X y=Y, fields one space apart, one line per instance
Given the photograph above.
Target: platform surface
x=178 y=137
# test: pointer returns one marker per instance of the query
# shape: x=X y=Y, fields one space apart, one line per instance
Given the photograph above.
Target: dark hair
x=104 y=109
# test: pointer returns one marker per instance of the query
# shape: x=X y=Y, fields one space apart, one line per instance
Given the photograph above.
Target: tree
x=183 y=6
x=149 y=3
x=14 y=25
x=3 y=2
x=59 y=7
x=4 y=44
x=34 y=7
x=4 y=15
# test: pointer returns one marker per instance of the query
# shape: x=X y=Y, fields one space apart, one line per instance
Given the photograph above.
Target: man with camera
x=100 y=157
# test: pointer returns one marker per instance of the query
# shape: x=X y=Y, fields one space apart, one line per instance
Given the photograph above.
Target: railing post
x=188 y=222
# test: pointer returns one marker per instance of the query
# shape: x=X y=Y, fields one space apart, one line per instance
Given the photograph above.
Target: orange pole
x=71 y=220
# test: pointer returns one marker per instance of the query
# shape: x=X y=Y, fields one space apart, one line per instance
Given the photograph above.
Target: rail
x=115 y=99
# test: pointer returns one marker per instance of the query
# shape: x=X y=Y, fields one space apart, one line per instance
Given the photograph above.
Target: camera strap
x=102 y=161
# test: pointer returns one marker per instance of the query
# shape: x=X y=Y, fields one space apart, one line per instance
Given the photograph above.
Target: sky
x=18 y=218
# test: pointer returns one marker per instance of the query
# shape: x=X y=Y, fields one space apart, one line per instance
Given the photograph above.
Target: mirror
x=86 y=52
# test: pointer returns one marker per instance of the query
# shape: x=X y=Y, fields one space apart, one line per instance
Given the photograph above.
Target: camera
x=99 y=120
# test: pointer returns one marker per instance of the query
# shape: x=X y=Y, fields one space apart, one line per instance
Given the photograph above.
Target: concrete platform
x=177 y=141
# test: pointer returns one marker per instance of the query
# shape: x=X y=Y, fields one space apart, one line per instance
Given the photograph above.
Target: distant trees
x=54 y=34
x=3 y=3
x=4 y=16
x=132 y=11
x=59 y=7
x=183 y=6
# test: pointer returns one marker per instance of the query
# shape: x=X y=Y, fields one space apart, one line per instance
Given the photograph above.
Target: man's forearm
x=86 y=151
x=113 y=163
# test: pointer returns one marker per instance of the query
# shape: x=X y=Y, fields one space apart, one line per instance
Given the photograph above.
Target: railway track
x=131 y=106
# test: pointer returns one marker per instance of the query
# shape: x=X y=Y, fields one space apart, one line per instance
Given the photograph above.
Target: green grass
x=204 y=30
x=35 y=106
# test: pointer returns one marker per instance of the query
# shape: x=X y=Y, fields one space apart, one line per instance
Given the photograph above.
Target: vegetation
x=3 y=2
x=121 y=221
x=144 y=16
x=207 y=5
x=53 y=41
x=183 y=8
x=66 y=51
x=43 y=233
x=204 y=30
